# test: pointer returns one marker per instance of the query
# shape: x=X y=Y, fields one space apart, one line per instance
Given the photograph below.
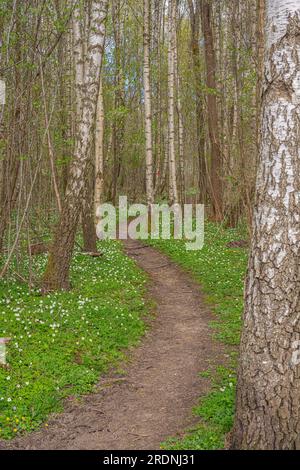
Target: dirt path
x=154 y=398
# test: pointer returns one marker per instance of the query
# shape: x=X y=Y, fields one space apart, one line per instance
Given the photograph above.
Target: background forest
x=216 y=56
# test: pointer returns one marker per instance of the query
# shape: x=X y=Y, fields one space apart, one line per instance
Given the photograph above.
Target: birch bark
x=148 y=105
x=268 y=412
x=87 y=88
x=171 y=101
x=99 y=152
x=180 y=124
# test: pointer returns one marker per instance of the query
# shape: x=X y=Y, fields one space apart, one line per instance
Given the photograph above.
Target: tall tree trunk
x=119 y=121
x=200 y=121
x=260 y=11
x=180 y=125
x=171 y=100
x=57 y=270
x=158 y=23
x=99 y=153
x=87 y=214
x=267 y=415
x=216 y=159
x=148 y=104
x=49 y=142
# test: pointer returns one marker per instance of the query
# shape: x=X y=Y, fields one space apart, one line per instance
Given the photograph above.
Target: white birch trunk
x=171 y=99
x=148 y=105
x=268 y=411
x=99 y=152
x=89 y=38
x=180 y=125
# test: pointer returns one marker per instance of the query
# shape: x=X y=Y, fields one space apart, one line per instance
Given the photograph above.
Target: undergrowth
x=61 y=343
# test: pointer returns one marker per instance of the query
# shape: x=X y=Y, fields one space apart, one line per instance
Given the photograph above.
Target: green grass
x=220 y=271
x=63 y=342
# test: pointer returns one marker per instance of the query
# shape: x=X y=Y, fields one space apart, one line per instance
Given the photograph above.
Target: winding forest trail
x=153 y=400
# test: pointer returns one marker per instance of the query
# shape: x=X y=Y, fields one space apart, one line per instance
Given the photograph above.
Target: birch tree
x=180 y=124
x=268 y=413
x=171 y=100
x=99 y=152
x=148 y=105
x=88 y=50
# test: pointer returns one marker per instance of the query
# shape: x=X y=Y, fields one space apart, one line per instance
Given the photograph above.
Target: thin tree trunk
x=216 y=160
x=88 y=220
x=148 y=104
x=99 y=152
x=267 y=415
x=119 y=123
x=49 y=142
x=180 y=125
x=171 y=100
x=200 y=120
x=159 y=9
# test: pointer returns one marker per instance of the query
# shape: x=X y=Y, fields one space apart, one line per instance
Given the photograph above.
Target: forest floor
x=154 y=397
x=63 y=342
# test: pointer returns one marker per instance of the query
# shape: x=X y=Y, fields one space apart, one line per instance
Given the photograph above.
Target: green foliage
x=62 y=342
x=118 y=114
x=221 y=271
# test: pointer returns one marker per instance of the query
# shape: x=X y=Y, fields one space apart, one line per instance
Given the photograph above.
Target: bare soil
x=153 y=399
